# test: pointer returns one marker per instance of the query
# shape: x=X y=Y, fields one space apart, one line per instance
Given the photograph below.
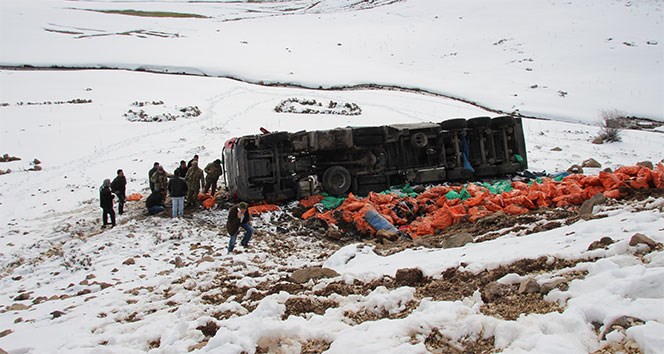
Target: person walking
x=119 y=187
x=213 y=171
x=155 y=168
x=177 y=188
x=155 y=202
x=160 y=181
x=106 y=203
x=239 y=217
x=195 y=182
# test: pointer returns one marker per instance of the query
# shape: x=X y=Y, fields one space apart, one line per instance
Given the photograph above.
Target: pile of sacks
x=439 y=207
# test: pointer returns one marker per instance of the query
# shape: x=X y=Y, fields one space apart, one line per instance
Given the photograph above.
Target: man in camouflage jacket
x=195 y=182
x=213 y=171
x=160 y=181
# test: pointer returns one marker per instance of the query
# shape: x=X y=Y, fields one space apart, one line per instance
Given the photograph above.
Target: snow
x=585 y=57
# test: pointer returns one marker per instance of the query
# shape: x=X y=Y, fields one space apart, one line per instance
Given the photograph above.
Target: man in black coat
x=155 y=202
x=239 y=217
x=106 y=203
x=177 y=188
x=182 y=169
x=119 y=187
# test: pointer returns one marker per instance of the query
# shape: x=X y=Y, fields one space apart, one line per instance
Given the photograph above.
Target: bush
x=610 y=126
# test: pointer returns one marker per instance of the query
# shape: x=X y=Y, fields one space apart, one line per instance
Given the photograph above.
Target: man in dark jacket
x=182 y=168
x=155 y=202
x=119 y=187
x=213 y=171
x=238 y=217
x=106 y=203
x=177 y=188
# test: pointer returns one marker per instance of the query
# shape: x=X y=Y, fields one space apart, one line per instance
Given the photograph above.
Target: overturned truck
x=282 y=165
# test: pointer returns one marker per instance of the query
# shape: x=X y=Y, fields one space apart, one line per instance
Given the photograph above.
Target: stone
x=575 y=169
x=6 y=332
x=39 y=300
x=547 y=287
x=408 y=276
x=642 y=239
x=493 y=291
x=22 y=296
x=622 y=322
x=206 y=259
x=647 y=164
x=17 y=307
x=57 y=313
x=591 y=163
x=457 y=240
x=586 y=209
x=333 y=234
x=598 y=140
x=601 y=243
x=303 y=275
x=129 y=261
x=557 y=148
x=178 y=262
x=36 y=161
x=529 y=286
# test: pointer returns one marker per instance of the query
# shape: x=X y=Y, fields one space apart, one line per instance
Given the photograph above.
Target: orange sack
x=134 y=197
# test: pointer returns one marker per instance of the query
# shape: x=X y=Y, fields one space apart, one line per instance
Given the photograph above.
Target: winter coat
x=183 y=171
x=106 y=198
x=119 y=185
x=160 y=181
x=213 y=171
x=177 y=187
x=154 y=199
x=233 y=222
x=194 y=179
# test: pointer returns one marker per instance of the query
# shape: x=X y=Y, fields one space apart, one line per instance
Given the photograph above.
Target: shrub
x=610 y=125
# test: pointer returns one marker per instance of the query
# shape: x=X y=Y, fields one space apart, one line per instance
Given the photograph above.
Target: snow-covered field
x=168 y=286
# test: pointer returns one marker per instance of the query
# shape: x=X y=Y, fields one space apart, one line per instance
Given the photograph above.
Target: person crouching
x=239 y=217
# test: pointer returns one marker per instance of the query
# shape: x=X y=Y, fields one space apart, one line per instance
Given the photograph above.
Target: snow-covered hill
x=158 y=285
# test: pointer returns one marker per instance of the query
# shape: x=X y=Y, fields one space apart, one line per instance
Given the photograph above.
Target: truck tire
x=336 y=180
x=419 y=140
x=453 y=124
x=504 y=121
x=479 y=122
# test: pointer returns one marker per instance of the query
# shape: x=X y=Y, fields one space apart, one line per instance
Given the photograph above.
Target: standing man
x=177 y=188
x=195 y=158
x=213 y=171
x=154 y=169
x=238 y=217
x=106 y=203
x=182 y=168
x=119 y=187
x=195 y=182
x=160 y=181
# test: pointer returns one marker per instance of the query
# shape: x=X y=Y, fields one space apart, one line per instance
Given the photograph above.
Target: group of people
x=183 y=187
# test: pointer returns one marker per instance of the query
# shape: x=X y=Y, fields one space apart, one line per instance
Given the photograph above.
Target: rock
x=18 y=320
x=598 y=140
x=84 y=292
x=547 y=287
x=178 y=262
x=556 y=149
x=39 y=300
x=575 y=169
x=457 y=240
x=408 y=276
x=22 y=296
x=586 y=209
x=529 y=286
x=57 y=313
x=623 y=322
x=36 y=161
x=206 y=259
x=493 y=291
x=591 y=163
x=601 y=243
x=647 y=164
x=642 y=239
x=302 y=276
x=6 y=332
x=129 y=261
x=333 y=234
x=17 y=307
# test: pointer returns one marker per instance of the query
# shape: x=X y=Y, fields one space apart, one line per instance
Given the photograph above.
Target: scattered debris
x=8 y=158
x=311 y=106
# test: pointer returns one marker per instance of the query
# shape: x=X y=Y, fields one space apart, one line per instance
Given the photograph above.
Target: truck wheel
x=479 y=122
x=500 y=122
x=419 y=140
x=336 y=180
x=452 y=124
